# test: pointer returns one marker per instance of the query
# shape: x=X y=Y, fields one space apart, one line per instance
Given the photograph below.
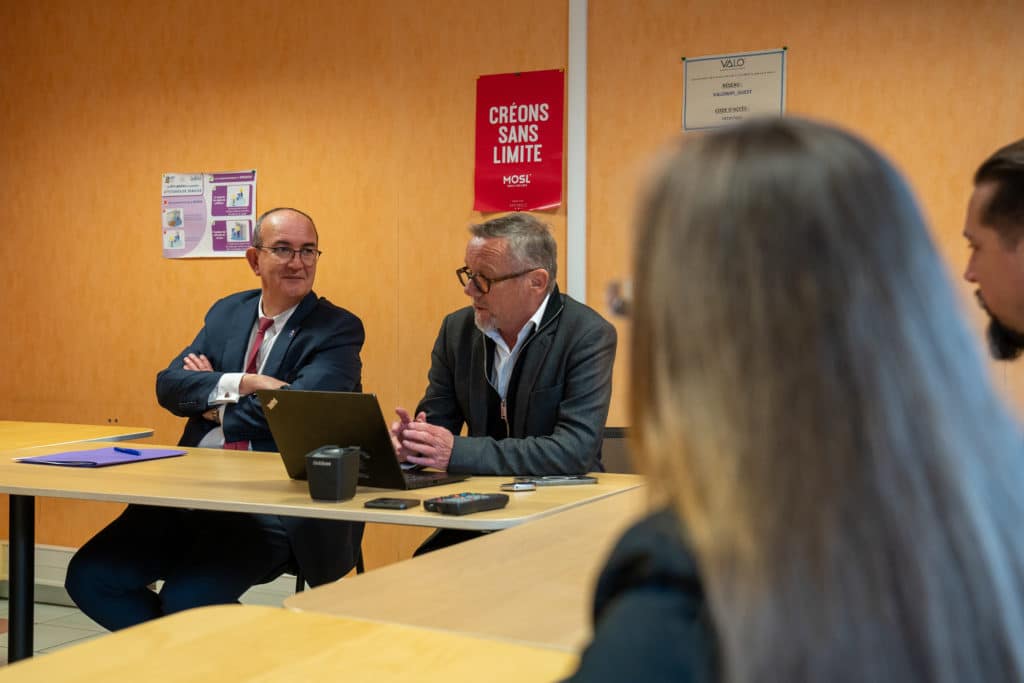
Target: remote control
x=466 y=503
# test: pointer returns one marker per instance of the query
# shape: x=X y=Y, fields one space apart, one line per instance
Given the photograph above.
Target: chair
x=615 y=451
x=300 y=580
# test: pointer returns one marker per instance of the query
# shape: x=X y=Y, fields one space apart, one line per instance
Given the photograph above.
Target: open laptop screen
x=302 y=421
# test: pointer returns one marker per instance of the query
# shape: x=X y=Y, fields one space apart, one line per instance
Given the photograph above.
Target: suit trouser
x=442 y=538
x=204 y=557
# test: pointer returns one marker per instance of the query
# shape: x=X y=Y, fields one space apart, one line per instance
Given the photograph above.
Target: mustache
x=981 y=301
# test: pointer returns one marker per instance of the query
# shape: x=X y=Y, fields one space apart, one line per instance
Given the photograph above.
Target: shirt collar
x=280 y=320
x=531 y=324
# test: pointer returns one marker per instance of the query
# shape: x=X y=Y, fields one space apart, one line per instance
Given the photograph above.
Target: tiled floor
x=57 y=626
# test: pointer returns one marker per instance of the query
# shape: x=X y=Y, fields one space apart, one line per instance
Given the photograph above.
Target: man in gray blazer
x=526 y=368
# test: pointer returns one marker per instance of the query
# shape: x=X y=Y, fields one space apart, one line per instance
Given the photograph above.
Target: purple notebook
x=102 y=457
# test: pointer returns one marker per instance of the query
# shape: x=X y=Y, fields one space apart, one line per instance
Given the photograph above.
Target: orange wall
x=935 y=84
x=362 y=113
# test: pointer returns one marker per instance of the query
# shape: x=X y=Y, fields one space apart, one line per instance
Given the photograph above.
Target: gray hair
x=529 y=241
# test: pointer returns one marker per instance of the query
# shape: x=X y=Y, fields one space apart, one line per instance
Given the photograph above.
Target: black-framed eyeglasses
x=482 y=282
x=308 y=255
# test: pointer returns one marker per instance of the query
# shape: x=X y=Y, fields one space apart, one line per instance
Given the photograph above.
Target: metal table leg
x=22 y=577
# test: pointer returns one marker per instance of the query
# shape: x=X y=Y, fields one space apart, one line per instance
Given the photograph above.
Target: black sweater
x=651 y=622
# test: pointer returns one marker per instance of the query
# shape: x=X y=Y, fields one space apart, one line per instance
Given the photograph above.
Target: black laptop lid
x=302 y=421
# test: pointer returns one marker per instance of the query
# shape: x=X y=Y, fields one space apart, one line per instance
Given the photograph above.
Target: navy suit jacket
x=317 y=350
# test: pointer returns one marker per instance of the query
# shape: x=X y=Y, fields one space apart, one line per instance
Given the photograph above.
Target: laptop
x=302 y=421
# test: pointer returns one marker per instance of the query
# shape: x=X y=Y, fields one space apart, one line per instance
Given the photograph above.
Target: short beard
x=485 y=328
x=1004 y=343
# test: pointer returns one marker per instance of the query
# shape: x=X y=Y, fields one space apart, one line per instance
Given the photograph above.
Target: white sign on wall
x=719 y=90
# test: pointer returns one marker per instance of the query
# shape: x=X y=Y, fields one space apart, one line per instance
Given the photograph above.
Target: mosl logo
x=517 y=180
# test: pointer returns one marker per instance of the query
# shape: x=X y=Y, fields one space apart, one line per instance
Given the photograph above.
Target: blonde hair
x=806 y=394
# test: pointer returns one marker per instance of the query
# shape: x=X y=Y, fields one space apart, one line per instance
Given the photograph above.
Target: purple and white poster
x=208 y=214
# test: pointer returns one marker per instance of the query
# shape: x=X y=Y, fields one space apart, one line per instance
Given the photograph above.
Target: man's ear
x=539 y=279
x=252 y=255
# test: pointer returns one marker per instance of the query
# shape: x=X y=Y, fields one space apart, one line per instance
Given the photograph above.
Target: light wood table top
x=532 y=584
x=249 y=481
x=17 y=434
x=250 y=643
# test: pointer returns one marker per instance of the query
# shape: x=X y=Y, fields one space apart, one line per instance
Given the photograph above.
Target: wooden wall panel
x=929 y=82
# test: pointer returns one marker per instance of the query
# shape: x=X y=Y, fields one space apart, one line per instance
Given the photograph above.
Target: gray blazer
x=558 y=396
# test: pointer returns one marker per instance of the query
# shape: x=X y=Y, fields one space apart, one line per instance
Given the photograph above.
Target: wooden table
x=15 y=434
x=532 y=584
x=18 y=435
x=245 y=481
x=265 y=644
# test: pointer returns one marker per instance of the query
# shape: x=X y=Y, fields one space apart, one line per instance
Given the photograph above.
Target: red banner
x=519 y=140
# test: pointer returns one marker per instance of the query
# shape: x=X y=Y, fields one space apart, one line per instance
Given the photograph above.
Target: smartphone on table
x=559 y=479
x=392 y=503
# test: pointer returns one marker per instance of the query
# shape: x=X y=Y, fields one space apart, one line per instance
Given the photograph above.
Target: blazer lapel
x=238 y=338
x=291 y=330
x=478 y=363
x=532 y=360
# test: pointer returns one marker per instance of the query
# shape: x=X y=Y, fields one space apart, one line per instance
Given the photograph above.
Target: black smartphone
x=392 y=503
x=559 y=479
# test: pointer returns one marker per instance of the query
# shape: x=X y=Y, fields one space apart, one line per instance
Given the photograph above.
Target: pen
x=129 y=451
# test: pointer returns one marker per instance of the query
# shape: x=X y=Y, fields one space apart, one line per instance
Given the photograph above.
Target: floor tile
x=77 y=620
x=71 y=643
x=47 y=635
x=46 y=613
x=265 y=600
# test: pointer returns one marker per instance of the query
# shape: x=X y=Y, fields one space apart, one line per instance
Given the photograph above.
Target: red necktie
x=250 y=369
x=265 y=323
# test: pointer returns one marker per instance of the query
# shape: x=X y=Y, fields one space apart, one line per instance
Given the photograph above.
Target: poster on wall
x=208 y=214
x=719 y=90
x=519 y=141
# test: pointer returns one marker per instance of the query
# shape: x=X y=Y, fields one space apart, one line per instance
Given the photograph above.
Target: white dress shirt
x=227 y=389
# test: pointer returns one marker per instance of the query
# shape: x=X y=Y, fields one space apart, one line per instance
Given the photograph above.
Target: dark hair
x=1005 y=211
x=529 y=241
x=807 y=396
x=257 y=237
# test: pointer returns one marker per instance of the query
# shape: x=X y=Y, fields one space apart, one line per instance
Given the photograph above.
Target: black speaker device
x=333 y=472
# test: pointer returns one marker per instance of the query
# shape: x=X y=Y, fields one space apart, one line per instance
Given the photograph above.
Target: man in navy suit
x=281 y=335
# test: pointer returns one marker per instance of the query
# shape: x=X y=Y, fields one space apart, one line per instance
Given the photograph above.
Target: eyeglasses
x=482 y=282
x=308 y=255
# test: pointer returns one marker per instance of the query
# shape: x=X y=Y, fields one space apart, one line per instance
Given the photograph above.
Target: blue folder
x=102 y=457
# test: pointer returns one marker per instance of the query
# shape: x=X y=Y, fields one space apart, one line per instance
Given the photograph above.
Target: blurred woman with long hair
x=843 y=488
